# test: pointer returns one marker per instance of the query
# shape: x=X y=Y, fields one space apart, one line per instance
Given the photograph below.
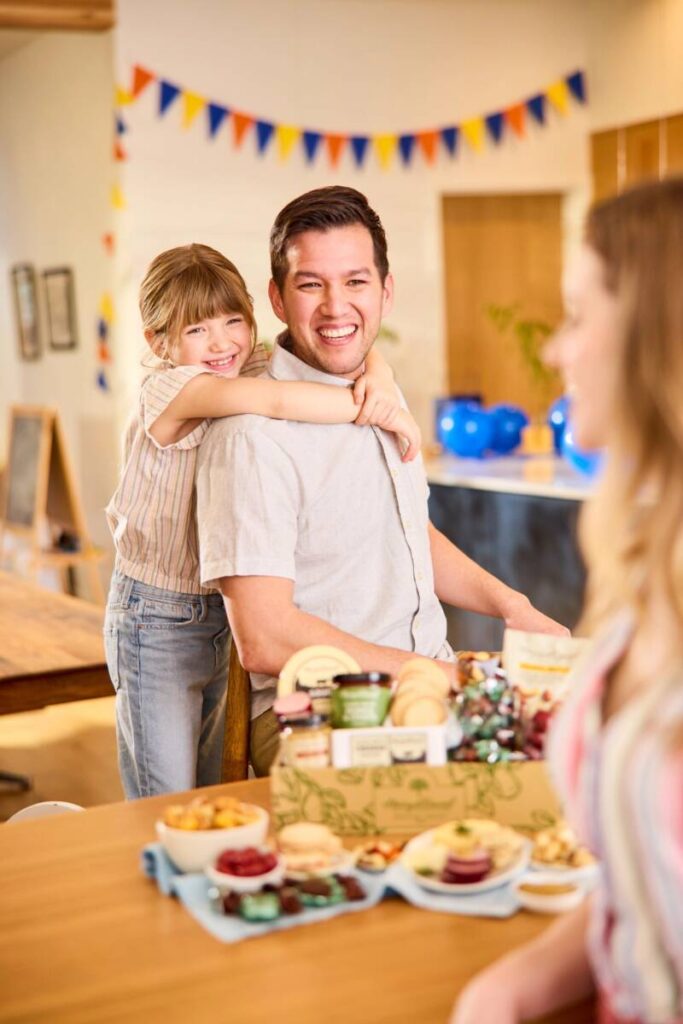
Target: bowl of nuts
x=195 y=834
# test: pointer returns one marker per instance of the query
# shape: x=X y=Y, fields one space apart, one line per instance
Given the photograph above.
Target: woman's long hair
x=632 y=532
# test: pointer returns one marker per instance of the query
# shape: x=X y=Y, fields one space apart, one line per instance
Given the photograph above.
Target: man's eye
x=309 y=286
x=357 y=281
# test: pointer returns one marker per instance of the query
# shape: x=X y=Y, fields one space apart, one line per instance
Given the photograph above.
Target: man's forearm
x=289 y=629
x=461 y=582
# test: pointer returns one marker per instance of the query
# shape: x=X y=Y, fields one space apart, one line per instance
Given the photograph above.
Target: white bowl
x=548 y=903
x=196 y=849
x=245 y=883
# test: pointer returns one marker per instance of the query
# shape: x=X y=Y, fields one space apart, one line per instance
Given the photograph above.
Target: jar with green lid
x=305 y=741
x=360 y=700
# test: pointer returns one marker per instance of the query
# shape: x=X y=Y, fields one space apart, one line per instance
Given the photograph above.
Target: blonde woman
x=166 y=636
x=617 y=749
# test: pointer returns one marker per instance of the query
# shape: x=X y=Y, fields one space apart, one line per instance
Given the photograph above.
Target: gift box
x=406 y=799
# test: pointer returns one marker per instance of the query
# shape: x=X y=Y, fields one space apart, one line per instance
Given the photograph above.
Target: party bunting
x=192 y=104
x=388 y=148
x=118 y=200
x=106 y=308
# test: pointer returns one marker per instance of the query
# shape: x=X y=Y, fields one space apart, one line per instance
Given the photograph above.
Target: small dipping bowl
x=547 y=894
x=245 y=883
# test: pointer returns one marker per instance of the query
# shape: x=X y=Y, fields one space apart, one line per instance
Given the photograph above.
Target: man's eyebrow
x=349 y=273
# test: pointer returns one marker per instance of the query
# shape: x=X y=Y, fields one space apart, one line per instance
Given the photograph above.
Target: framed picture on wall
x=26 y=310
x=60 y=304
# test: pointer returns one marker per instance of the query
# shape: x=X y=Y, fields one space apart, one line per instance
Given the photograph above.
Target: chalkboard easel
x=40 y=503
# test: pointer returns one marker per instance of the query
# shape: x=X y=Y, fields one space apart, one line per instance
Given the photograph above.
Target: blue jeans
x=167 y=655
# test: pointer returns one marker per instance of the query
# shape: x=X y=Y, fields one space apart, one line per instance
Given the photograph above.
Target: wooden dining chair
x=237 y=715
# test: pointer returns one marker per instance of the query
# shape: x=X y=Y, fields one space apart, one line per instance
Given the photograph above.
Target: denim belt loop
x=126 y=591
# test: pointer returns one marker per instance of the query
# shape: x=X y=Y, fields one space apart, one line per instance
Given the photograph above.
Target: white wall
x=346 y=65
x=635 y=60
x=55 y=174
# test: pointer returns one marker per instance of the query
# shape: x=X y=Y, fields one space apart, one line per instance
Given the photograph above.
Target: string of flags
x=387 y=147
x=105 y=311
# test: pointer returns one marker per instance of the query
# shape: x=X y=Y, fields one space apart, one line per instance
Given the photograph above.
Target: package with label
x=384 y=746
x=538 y=661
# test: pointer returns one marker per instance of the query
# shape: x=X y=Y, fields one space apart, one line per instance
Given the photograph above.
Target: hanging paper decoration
x=387 y=147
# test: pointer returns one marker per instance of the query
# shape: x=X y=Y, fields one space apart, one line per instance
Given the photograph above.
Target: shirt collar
x=284 y=365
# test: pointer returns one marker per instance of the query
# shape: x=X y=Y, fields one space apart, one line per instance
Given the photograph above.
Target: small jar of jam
x=305 y=741
x=360 y=700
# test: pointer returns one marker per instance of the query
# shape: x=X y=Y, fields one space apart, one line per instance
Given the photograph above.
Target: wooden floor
x=69 y=751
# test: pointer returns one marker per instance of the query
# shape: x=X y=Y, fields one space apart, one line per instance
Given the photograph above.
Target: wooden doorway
x=503 y=250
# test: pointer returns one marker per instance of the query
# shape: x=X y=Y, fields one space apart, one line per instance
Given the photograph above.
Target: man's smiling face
x=332 y=299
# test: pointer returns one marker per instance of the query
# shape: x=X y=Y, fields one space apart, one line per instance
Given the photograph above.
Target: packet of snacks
x=538 y=663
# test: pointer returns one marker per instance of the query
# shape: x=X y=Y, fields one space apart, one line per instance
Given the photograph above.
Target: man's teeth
x=337 y=332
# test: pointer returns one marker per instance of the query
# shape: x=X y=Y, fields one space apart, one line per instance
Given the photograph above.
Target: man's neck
x=286 y=342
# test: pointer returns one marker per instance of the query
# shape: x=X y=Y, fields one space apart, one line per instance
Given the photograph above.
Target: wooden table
x=51 y=647
x=86 y=939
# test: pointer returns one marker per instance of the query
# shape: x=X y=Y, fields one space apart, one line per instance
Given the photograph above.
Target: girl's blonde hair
x=632 y=532
x=185 y=285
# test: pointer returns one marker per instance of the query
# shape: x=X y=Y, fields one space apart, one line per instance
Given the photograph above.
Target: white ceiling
x=12 y=39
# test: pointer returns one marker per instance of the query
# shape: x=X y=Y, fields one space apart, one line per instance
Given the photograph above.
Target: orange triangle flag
x=104 y=354
x=241 y=123
x=515 y=118
x=427 y=141
x=119 y=152
x=108 y=242
x=141 y=79
x=335 y=144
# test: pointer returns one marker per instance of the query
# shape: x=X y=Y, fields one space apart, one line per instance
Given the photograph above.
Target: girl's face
x=220 y=343
x=587 y=349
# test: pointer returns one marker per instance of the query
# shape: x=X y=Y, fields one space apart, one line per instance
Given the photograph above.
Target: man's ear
x=387 y=294
x=276 y=301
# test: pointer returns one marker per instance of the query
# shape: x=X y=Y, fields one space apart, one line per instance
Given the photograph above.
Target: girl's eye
x=234 y=320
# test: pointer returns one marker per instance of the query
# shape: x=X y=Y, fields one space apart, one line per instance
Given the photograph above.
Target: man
x=320 y=534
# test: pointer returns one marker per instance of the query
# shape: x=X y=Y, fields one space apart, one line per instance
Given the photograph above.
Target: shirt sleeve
x=158 y=391
x=247 y=504
x=257 y=362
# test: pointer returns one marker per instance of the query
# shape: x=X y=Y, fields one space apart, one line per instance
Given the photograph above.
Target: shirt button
x=420 y=576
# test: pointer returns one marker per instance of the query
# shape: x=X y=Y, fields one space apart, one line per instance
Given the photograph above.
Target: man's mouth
x=337 y=335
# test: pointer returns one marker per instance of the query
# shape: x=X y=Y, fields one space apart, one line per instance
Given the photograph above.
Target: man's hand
x=521 y=614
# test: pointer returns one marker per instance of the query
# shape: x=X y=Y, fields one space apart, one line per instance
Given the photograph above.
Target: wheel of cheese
x=314 y=666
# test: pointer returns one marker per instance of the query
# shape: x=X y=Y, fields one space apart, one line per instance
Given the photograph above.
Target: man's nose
x=334 y=301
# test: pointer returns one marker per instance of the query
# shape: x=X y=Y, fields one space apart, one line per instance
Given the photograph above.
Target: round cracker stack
x=421 y=693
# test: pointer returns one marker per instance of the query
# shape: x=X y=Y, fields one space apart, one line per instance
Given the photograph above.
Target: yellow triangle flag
x=287 y=137
x=473 y=130
x=106 y=308
x=192 y=104
x=122 y=97
x=118 y=200
x=385 y=146
x=558 y=94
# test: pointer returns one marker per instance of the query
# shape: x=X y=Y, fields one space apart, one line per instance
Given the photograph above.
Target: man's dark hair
x=320 y=210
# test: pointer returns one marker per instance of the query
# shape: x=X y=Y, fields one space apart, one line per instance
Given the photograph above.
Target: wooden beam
x=67 y=15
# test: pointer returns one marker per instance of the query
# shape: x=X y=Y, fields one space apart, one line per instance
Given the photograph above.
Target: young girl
x=617 y=747
x=166 y=637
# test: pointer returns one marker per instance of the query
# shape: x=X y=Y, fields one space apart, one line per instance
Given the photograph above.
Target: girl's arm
x=376 y=391
x=534 y=980
x=209 y=396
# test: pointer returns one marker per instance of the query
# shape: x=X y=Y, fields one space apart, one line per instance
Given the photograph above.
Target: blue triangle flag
x=311 y=142
x=167 y=93
x=217 y=115
x=264 y=133
x=449 y=137
x=102 y=329
x=406 y=145
x=359 y=145
x=121 y=126
x=536 y=107
x=577 y=85
x=494 y=123
x=102 y=381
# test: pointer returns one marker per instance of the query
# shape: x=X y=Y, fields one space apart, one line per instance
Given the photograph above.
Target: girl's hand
x=487 y=999
x=377 y=395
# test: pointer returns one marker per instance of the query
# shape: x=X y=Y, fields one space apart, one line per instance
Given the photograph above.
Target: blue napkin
x=193 y=890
